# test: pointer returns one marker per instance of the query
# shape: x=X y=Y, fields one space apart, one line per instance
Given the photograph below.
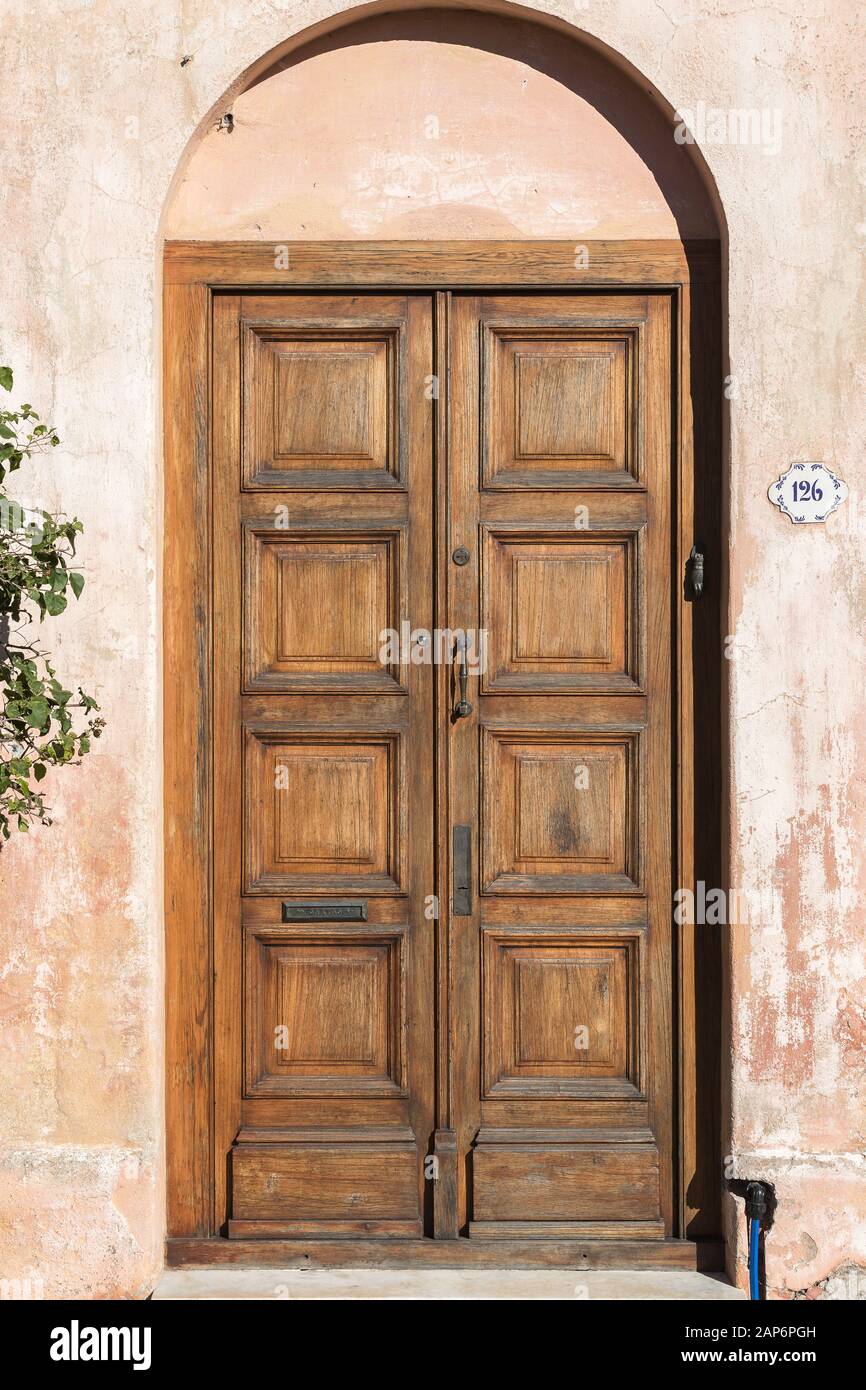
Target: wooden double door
x=442 y=765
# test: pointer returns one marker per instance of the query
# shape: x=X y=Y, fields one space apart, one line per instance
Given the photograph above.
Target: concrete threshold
x=445 y=1284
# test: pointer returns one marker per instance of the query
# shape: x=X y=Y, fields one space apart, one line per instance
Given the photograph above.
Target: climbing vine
x=42 y=724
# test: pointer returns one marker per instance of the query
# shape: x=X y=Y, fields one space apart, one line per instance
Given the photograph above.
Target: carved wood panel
x=322 y=811
x=317 y=607
x=324 y=1011
x=562 y=1012
x=321 y=406
x=560 y=812
x=561 y=612
x=559 y=405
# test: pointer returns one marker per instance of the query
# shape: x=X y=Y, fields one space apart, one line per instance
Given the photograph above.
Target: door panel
x=558 y=398
x=314 y=606
x=400 y=878
x=323 y=774
x=323 y=811
x=335 y=997
x=536 y=835
x=528 y=583
x=323 y=400
x=559 y=473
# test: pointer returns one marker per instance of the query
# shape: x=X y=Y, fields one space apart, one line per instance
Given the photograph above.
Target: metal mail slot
x=343 y=911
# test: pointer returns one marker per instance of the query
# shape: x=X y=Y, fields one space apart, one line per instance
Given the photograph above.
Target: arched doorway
x=433 y=769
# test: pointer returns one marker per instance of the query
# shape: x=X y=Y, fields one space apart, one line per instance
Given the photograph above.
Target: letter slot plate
x=462 y=868
x=342 y=911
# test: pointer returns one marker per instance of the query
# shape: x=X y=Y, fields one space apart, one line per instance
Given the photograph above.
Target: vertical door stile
x=445 y=1196
x=463 y=616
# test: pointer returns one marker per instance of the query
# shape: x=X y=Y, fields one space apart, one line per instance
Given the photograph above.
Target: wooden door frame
x=193 y=272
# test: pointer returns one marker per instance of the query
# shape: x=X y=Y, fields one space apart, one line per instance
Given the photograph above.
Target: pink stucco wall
x=114 y=147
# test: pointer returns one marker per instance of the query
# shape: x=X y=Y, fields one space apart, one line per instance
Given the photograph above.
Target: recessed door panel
x=561 y=1013
x=558 y=407
x=322 y=811
x=316 y=603
x=321 y=401
x=561 y=612
x=324 y=1011
x=559 y=811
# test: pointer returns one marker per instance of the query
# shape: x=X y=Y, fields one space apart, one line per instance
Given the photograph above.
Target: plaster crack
x=783 y=695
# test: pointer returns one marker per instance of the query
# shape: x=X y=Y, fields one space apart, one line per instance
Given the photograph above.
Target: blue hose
x=754 y=1251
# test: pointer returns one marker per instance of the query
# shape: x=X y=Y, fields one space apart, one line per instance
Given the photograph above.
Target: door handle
x=461 y=848
x=463 y=708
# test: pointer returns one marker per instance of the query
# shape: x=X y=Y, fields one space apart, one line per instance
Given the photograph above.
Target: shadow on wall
x=443 y=124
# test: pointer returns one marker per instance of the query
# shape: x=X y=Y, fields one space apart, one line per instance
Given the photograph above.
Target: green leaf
x=6 y=378
x=38 y=716
x=76 y=583
x=39 y=771
x=54 y=603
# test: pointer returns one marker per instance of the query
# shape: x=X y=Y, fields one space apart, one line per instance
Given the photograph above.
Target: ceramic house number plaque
x=808 y=492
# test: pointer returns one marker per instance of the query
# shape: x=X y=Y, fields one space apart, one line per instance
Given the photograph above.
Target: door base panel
x=310 y=1190
x=447 y=1254
x=567 y=1230
x=565 y=1187
x=323 y=1230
